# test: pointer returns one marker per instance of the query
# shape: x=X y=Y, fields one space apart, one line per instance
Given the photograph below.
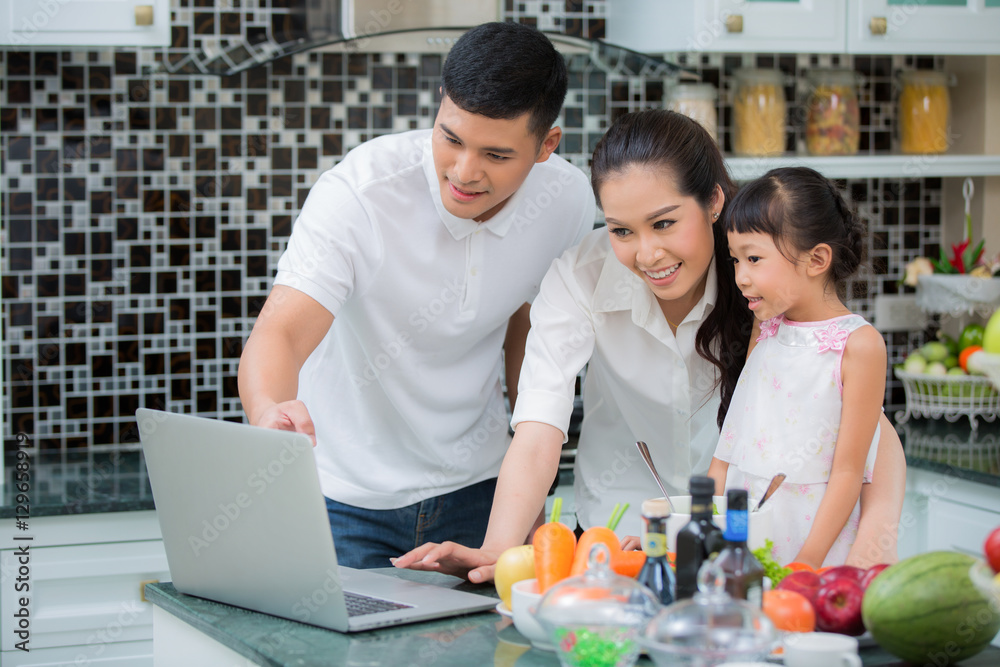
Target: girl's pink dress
x=784 y=417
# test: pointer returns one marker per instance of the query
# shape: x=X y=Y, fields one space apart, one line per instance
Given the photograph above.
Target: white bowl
x=760 y=527
x=524 y=598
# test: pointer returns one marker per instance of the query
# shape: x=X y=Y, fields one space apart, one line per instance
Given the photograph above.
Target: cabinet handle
x=734 y=23
x=878 y=25
x=142 y=588
x=144 y=14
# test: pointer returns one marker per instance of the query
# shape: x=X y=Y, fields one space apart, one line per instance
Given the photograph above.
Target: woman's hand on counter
x=476 y=565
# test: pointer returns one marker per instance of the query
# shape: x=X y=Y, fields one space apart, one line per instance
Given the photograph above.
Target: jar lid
x=925 y=76
x=837 y=76
x=757 y=75
x=598 y=597
x=712 y=623
x=697 y=91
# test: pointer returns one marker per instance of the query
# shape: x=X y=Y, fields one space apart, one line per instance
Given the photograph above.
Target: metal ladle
x=644 y=451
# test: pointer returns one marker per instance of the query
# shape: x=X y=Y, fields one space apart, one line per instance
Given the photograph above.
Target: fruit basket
x=950 y=397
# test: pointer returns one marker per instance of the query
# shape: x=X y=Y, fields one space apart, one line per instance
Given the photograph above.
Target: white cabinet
x=928 y=26
x=84 y=577
x=31 y=23
x=807 y=26
x=945 y=513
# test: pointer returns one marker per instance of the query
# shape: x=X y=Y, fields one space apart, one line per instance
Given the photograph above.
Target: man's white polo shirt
x=404 y=390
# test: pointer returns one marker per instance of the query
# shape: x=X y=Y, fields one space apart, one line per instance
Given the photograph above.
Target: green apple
x=955 y=371
x=991 y=334
x=934 y=351
x=971 y=335
x=914 y=363
x=936 y=368
x=951 y=362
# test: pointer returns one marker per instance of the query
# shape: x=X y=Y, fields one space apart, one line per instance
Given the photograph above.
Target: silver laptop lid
x=238 y=507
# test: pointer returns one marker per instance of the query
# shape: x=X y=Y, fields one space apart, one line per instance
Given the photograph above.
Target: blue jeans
x=369 y=538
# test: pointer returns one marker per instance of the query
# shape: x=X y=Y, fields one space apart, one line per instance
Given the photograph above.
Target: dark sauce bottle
x=656 y=573
x=744 y=573
x=699 y=540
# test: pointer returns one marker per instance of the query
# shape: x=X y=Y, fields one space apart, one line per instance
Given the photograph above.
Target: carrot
x=590 y=537
x=554 y=545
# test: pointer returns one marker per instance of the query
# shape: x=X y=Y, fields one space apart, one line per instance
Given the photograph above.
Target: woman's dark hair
x=503 y=70
x=683 y=149
x=799 y=208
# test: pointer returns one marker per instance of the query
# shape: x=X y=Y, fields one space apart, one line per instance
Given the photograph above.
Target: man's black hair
x=503 y=70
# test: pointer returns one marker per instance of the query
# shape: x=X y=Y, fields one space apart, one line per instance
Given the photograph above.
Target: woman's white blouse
x=642 y=382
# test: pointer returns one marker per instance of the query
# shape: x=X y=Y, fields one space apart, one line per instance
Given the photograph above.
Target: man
x=405 y=286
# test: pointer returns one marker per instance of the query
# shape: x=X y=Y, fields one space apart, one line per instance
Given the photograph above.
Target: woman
x=649 y=304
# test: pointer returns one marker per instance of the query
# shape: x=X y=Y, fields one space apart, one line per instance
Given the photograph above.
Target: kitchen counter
x=478 y=639
x=113 y=478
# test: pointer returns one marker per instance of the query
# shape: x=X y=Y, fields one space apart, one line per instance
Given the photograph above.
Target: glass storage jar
x=696 y=101
x=833 y=120
x=758 y=112
x=924 y=111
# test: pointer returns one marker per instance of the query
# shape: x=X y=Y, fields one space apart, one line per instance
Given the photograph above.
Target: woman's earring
x=715 y=216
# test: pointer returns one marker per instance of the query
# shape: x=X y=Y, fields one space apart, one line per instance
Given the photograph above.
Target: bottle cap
x=736 y=499
x=656 y=508
x=702 y=486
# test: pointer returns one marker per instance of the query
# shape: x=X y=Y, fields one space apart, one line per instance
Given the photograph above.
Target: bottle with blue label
x=744 y=573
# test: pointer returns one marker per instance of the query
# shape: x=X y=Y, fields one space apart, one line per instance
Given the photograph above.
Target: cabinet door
x=87 y=596
x=954 y=526
x=924 y=26
x=29 y=23
x=785 y=26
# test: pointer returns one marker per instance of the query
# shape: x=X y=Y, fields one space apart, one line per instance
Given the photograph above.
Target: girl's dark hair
x=799 y=208
x=679 y=146
x=503 y=70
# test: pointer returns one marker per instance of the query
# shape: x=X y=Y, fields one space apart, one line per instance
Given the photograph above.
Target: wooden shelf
x=871 y=166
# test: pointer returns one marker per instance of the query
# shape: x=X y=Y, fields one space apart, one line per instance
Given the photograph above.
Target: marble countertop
x=113 y=478
x=485 y=638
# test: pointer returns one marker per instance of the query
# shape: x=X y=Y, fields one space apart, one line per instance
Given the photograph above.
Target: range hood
x=388 y=26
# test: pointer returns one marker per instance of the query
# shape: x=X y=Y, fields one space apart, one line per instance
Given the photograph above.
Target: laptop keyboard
x=362 y=605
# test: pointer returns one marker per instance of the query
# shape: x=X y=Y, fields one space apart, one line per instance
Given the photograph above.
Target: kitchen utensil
x=771 y=488
x=644 y=451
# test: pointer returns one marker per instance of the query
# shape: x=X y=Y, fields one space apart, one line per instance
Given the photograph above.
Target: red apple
x=871 y=573
x=838 y=607
x=855 y=574
x=992 y=546
x=804 y=582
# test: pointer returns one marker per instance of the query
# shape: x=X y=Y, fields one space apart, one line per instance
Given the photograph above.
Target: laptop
x=244 y=522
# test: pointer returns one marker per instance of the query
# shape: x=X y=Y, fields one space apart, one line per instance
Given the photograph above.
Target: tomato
x=963 y=357
x=992 y=549
x=789 y=611
x=795 y=566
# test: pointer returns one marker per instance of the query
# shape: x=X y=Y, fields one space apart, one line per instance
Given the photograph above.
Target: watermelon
x=926 y=610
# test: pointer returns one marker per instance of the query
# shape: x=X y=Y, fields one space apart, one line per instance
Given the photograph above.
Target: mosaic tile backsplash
x=143 y=216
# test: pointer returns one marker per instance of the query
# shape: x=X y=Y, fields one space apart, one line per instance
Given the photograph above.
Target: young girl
x=809 y=399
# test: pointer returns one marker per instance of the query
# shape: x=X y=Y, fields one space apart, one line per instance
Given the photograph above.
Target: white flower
x=919 y=267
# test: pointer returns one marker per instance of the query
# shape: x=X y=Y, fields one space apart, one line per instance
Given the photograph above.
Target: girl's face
x=664 y=237
x=771 y=282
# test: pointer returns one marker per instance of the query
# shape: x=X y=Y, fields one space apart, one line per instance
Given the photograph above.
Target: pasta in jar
x=758 y=113
x=696 y=101
x=924 y=112
x=833 y=119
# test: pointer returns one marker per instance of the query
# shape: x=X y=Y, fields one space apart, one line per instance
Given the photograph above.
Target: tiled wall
x=143 y=215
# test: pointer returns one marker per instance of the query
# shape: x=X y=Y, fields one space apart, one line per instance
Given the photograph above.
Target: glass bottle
x=744 y=573
x=699 y=540
x=656 y=574
x=924 y=112
x=759 y=110
x=833 y=119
